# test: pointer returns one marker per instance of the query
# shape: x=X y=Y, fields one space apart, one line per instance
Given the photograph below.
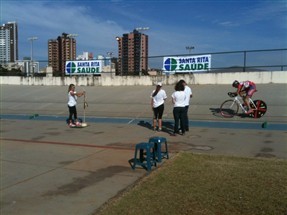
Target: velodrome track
x=133 y=102
x=47 y=166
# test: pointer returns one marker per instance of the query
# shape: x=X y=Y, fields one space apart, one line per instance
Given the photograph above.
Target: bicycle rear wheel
x=229 y=108
x=260 y=109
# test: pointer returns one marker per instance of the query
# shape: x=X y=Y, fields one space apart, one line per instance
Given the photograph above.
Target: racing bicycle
x=230 y=107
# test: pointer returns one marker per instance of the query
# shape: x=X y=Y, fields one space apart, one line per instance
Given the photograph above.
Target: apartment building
x=61 y=50
x=9 y=42
x=132 y=53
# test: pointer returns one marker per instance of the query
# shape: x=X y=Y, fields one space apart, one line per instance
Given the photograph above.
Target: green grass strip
x=208 y=185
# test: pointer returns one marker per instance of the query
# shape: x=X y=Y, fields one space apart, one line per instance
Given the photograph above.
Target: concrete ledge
x=266 y=77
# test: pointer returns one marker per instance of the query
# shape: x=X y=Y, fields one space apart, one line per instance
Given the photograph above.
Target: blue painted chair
x=158 y=141
x=144 y=156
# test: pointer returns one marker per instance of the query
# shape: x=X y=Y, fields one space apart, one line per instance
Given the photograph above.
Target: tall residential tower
x=9 y=42
x=61 y=50
x=132 y=53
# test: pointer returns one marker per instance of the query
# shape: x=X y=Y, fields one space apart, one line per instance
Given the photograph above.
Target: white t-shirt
x=72 y=99
x=188 y=93
x=178 y=98
x=159 y=98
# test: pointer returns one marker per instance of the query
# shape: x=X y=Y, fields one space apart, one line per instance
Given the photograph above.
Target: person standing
x=178 y=100
x=188 y=96
x=158 y=96
x=72 y=102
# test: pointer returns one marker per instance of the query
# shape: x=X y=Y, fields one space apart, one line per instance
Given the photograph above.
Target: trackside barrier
x=265 y=77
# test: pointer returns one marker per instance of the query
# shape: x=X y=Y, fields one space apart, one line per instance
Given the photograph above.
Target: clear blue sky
x=208 y=25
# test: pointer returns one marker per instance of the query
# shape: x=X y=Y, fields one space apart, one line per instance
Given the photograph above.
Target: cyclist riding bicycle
x=245 y=89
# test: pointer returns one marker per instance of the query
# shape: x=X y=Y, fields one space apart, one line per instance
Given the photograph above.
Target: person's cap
x=159 y=84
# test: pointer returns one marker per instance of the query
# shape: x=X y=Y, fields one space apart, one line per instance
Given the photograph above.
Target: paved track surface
x=49 y=168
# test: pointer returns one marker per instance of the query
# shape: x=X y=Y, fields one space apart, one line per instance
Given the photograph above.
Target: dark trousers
x=179 y=118
x=186 y=118
x=72 y=111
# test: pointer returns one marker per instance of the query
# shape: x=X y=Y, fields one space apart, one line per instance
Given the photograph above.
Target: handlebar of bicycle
x=232 y=94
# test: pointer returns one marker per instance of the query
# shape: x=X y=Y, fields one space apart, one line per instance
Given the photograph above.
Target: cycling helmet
x=235 y=84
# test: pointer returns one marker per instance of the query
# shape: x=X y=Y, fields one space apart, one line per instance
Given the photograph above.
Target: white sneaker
x=72 y=125
x=78 y=124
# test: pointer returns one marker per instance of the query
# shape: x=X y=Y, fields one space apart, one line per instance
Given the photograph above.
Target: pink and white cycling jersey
x=247 y=86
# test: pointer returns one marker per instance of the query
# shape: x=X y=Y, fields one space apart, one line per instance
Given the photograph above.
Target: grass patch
x=208 y=185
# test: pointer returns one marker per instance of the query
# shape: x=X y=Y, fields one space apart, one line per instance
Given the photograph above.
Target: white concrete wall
x=265 y=77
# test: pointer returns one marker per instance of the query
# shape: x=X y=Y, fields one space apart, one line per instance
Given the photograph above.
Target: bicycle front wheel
x=229 y=108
